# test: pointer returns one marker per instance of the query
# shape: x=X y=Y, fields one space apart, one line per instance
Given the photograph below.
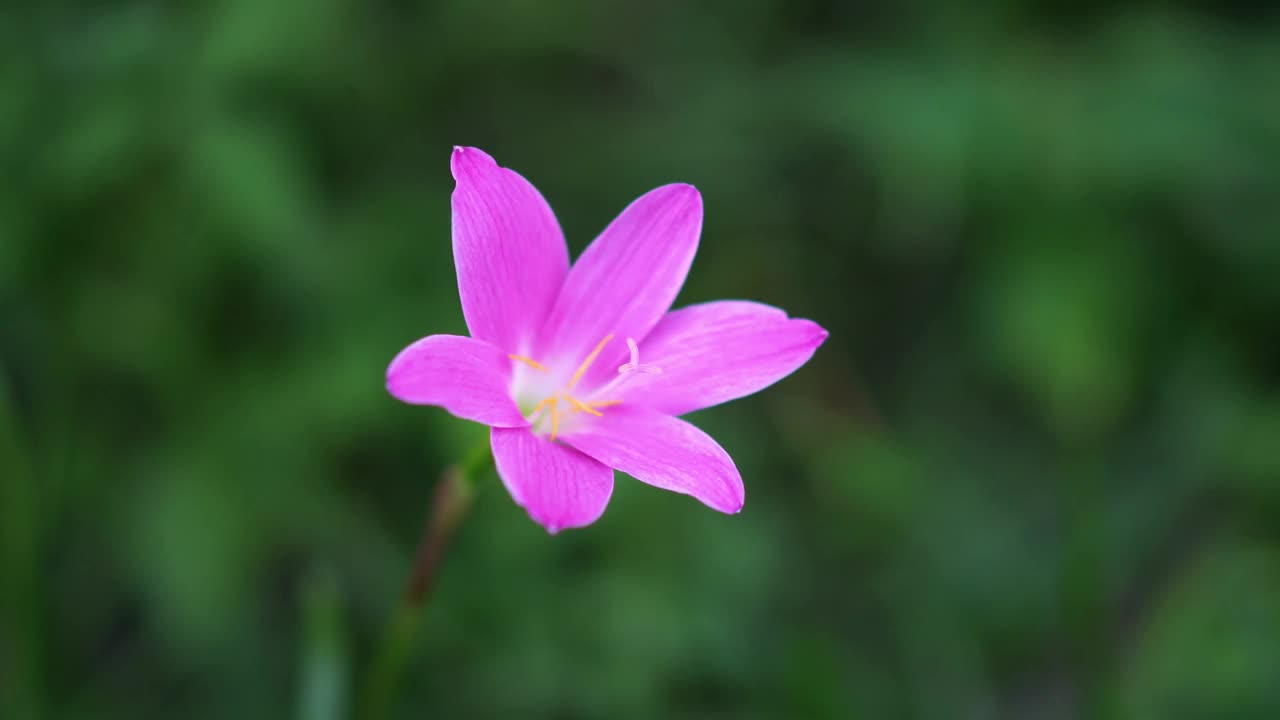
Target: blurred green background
x=1034 y=472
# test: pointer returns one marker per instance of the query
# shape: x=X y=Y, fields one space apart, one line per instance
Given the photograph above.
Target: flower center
x=548 y=409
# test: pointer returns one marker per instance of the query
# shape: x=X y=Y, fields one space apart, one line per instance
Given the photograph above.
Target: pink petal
x=467 y=377
x=625 y=280
x=559 y=486
x=508 y=249
x=719 y=351
x=663 y=451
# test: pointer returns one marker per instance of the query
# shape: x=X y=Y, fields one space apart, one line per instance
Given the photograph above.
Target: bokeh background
x=1034 y=472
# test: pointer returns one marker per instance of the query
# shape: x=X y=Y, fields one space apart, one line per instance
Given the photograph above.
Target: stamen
x=551 y=403
x=530 y=362
x=555 y=417
x=537 y=410
x=582 y=369
x=579 y=405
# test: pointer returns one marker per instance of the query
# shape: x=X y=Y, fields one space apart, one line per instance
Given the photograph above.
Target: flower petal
x=559 y=486
x=663 y=451
x=720 y=351
x=467 y=377
x=508 y=249
x=628 y=277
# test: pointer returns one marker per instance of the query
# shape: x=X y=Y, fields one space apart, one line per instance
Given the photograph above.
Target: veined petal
x=467 y=377
x=509 y=251
x=662 y=451
x=628 y=277
x=559 y=486
x=720 y=351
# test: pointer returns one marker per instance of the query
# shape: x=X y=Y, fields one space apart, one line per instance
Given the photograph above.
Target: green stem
x=453 y=497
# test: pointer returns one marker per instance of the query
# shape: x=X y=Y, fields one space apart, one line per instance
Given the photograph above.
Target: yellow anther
x=530 y=362
x=579 y=405
x=582 y=369
x=555 y=417
x=605 y=403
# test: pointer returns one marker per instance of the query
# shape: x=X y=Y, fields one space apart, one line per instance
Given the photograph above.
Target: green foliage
x=1033 y=473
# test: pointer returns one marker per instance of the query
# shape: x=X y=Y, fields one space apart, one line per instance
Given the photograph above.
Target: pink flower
x=582 y=370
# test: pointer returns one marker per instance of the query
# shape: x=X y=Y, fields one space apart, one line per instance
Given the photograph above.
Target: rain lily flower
x=582 y=370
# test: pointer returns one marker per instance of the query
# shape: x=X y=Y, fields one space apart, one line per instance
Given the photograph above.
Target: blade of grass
x=323 y=663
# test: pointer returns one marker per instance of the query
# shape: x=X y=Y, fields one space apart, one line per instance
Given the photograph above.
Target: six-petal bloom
x=580 y=370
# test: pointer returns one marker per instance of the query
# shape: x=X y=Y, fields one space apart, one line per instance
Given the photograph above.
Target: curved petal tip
x=819 y=333
x=467 y=160
x=683 y=193
x=731 y=505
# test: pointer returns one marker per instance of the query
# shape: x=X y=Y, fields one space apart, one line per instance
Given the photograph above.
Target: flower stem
x=452 y=499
